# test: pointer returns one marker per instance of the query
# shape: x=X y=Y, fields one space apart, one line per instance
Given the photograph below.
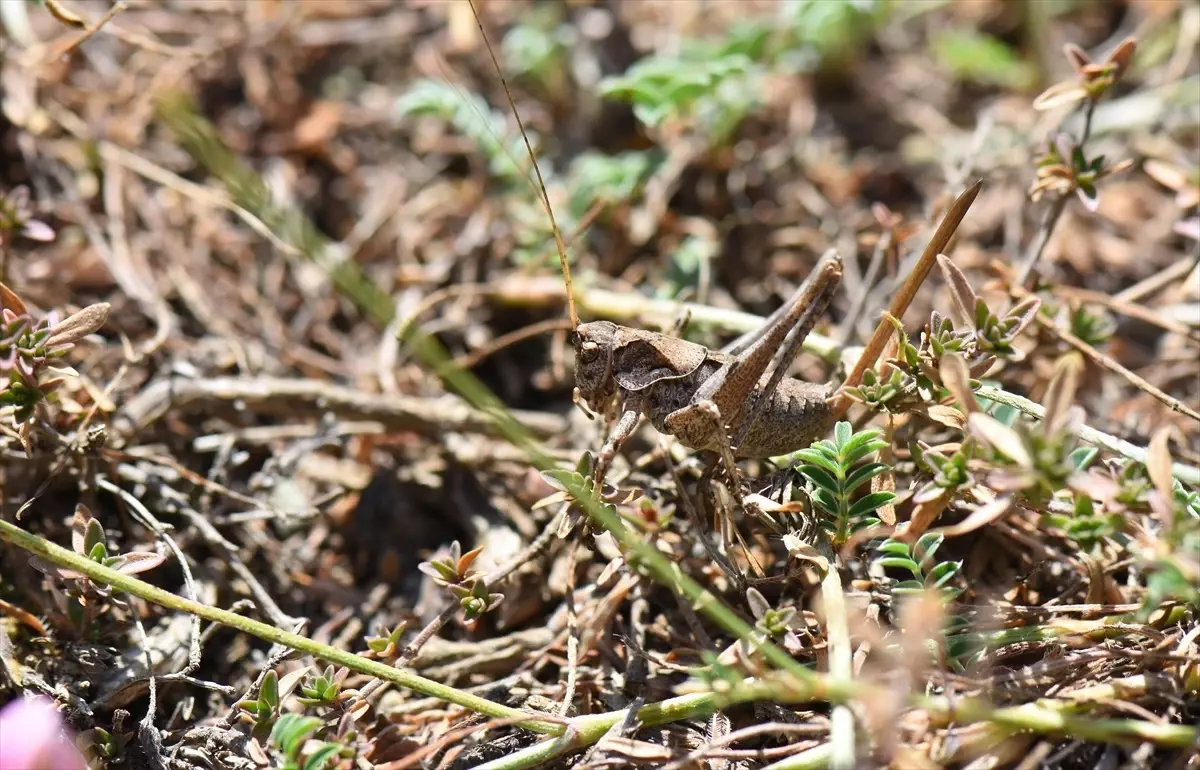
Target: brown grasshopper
x=719 y=401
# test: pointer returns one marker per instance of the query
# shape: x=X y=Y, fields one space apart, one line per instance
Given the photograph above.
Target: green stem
x=102 y=575
x=1055 y=718
x=1185 y=473
x=587 y=730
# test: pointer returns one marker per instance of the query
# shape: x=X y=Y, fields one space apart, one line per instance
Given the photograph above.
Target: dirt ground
x=321 y=356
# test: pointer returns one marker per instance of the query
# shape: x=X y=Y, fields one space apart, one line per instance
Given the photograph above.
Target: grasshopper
x=732 y=402
x=718 y=401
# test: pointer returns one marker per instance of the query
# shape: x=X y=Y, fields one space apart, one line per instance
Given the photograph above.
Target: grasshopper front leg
x=631 y=412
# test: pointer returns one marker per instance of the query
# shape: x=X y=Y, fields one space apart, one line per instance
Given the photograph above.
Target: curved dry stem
x=941 y=238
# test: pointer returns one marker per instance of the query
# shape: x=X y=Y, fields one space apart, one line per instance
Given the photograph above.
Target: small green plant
x=951 y=473
x=926 y=573
x=581 y=477
x=598 y=179
x=386 y=644
x=835 y=471
x=101 y=745
x=79 y=598
x=1173 y=562
x=707 y=87
x=711 y=90
x=1064 y=169
x=686 y=265
x=538 y=48
x=471 y=117
x=29 y=347
x=826 y=33
x=17 y=220
x=1036 y=459
x=1094 y=327
x=322 y=689
x=1088 y=524
x=1092 y=81
x=910 y=380
x=289 y=736
x=773 y=624
x=981 y=58
x=263 y=710
x=993 y=334
x=919 y=560
x=454 y=573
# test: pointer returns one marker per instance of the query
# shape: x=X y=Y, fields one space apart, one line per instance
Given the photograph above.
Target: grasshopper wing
x=641 y=359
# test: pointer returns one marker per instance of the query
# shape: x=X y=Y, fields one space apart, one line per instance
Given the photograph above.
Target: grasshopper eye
x=588 y=351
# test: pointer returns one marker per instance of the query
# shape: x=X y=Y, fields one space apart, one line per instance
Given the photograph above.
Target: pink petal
x=31 y=738
x=37 y=230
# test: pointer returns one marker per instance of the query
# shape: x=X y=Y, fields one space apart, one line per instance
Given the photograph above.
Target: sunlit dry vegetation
x=293 y=476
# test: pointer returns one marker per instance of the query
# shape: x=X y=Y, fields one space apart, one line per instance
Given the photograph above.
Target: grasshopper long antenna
x=543 y=194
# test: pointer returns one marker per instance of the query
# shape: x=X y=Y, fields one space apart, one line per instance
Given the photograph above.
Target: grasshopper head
x=594 y=381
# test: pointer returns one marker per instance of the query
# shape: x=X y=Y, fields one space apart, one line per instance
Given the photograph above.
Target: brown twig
x=1130 y=309
x=884 y=330
x=1111 y=365
x=291 y=397
x=473 y=358
x=1054 y=213
x=88 y=33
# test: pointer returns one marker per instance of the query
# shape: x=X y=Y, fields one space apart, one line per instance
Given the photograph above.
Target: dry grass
x=335 y=345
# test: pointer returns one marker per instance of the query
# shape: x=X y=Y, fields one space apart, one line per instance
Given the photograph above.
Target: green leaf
x=446 y=571
x=653 y=116
x=682 y=92
x=245 y=704
x=893 y=547
x=866 y=522
x=858 y=440
x=826 y=501
x=861 y=475
x=263 y=712
x=320 y=758
x=870 y=503
x=861 y=451
x=269 y=693
x=610 y=179
x=956 y=624
x=900 y=562
x=563 y=480
x=93 y=536
x=531 y=48
x=815 y=457
x=1082 y=457
x=928 y=544
x=821 y=478
x=842 y=433
x=292 y=730
x=944 y=572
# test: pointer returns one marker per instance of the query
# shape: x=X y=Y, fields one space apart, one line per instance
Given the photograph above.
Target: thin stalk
x=1185 y=473
x=102 y=575
x=840 y=401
